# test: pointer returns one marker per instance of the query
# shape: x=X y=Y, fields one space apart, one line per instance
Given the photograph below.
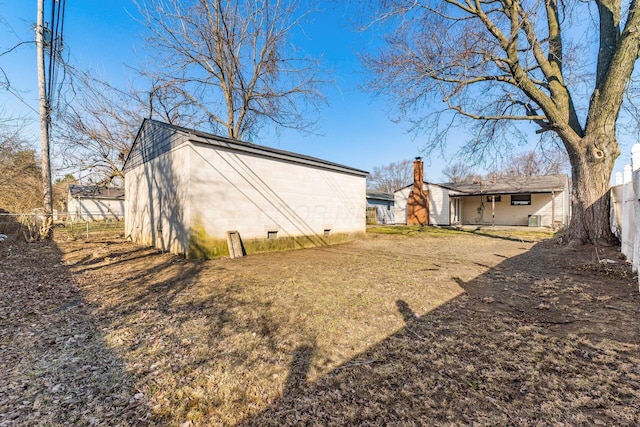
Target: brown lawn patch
x=415 y=328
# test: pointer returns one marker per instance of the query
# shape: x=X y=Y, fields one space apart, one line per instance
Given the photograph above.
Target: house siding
x=384 y=210
x=506 y=214
x=84 y=209
x=439 y=207
x=439 y=213
x=400 y=198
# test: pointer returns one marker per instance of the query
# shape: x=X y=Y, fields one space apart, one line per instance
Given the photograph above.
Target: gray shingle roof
x=511 y=185
x=96 y=192
x=379 y=195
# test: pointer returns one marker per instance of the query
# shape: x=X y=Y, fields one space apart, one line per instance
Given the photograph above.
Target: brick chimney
x=418 y=200
x=418 y=175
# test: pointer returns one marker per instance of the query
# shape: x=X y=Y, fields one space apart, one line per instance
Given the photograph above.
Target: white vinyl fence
x=625 y=209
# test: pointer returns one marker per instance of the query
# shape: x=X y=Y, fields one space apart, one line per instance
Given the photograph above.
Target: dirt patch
x=428 y=327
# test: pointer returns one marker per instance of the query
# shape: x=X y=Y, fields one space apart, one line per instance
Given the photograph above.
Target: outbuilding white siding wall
x=184 y=193
x=156 y=194
x=231 y=191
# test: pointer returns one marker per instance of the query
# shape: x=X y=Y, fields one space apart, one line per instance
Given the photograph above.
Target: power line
x=55 y=48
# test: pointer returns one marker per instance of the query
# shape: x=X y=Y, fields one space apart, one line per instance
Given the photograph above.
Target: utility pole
x=46 y=229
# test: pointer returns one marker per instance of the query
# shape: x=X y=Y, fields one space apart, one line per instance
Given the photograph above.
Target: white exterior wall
x=400 y=205
x=156 y=207
x=439 y=206
x=506 y=214
x=231 y=191
x=83 y=209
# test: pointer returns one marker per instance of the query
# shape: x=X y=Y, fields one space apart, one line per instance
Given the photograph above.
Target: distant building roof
x=96 y=192
x=511 y=185
x=379 y=195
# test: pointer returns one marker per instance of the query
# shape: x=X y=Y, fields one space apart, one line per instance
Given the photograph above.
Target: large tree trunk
x=590 y=199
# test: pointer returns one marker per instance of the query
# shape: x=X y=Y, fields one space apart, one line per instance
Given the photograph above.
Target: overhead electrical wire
x=55 y=45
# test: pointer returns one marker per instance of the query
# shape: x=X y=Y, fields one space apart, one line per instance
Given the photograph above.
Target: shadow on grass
x=191 y=337
x=57 y=368
x=520 y=236
x=544 y=338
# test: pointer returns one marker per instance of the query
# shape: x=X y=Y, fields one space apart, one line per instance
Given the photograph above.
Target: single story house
x=94 y=203
x=380 y=207
x=522 y=200
x=202 y=195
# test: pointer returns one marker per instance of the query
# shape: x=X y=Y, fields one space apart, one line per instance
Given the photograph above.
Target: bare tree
x=500 y=63
x=233 y=59
x=99 y=123
x=391 y=177
x=460 y=172
x=537 y=162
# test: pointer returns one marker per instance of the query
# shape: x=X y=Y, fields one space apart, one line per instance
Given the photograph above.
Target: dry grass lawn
x=406 y=327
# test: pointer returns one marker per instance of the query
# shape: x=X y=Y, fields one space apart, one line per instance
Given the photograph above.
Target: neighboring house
x=380 y=208
x=95 y=203
x=526 y=200
x=194 y=193
x=422 y=203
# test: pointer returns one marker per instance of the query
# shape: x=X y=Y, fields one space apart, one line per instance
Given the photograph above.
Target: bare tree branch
x=234 y=61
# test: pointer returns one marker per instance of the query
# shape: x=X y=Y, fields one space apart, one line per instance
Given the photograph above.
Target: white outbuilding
x=201 y=195
x=94 y=203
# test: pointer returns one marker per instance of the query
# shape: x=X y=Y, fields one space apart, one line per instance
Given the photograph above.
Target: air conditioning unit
x=535 y=221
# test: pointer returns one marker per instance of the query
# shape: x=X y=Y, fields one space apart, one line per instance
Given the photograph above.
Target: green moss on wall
x=253 y=246
x=201 y=245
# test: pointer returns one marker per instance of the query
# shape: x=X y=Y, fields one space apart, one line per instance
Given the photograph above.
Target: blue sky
x=355 y=127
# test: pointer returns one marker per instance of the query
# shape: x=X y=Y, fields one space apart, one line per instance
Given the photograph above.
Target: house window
x=494 y=198
x=327 y=231
x=272 y=235
x=520 y=199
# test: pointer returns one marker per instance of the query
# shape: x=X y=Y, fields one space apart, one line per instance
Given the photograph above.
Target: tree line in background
x=21 y=178
x=20 y=181
x=395 y=175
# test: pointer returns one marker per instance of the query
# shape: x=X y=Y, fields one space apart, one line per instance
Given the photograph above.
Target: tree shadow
x=58 y=367
x=179 y=323
x=478 y=232
x=544 y=338
x=299 y=369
